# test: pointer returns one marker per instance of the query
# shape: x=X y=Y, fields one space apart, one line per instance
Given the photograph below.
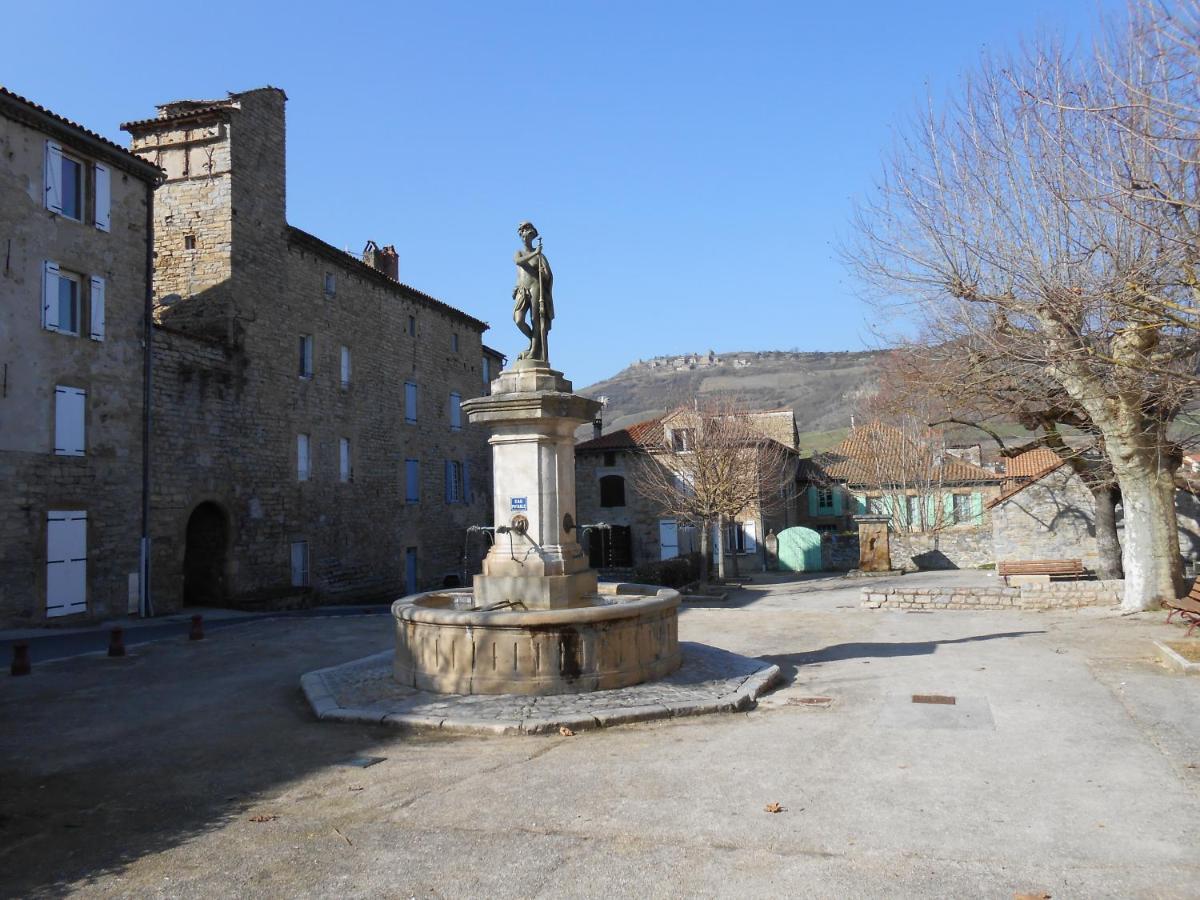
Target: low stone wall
x=839 y=552
x=953 y=548
x=1053 y=595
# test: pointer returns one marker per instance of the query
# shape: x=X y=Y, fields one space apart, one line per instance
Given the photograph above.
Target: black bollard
x=116 y=642
x=20 y=660
x=197 y=632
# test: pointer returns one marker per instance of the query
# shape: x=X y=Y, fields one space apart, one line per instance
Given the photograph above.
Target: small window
x=70 y=417
x=454 y=343
x=487 y=371
x=410 y=402
x=825 y=501
x=189 y=242
x=412 y=325
x=610 y=458
x=454 y=481
x=72 y=188
x=456 y=412
x=300 y=564
x=877 y=506
x=306 y=356
x=915 y=518
x=612 y=490
x=69 y=302
x=344 y=471
x=330 y=284
x=681 y=439
x=303 y=458
x=963 y=511
x=345 y=367
x=412 y=481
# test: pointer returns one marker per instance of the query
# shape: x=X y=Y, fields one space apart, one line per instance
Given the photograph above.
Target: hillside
x=821 y=388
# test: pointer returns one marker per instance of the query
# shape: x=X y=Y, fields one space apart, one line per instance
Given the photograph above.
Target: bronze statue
x=534 y=295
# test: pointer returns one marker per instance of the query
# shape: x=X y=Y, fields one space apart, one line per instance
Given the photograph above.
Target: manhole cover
x=362 y=762
x=934 y=698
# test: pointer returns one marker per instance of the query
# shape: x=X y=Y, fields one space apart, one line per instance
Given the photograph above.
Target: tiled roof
x=312 y=242
x=876 y=453
x=1032 y=463
x=17 y=107
x=182 y=110
x=640 y=434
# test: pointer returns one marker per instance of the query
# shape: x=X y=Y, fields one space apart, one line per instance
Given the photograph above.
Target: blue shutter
x=449 y=473
x=466 y=487
x=812 y=500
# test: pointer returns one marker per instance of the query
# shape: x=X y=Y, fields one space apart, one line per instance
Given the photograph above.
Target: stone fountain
x=536 y=621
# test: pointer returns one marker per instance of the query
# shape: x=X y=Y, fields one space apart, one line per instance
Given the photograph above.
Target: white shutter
x=455 y=411
x=749 y=529
x=53 y=177
x=50 y=296
x=299 y=563
x=69 y=417
x=345 y=367
x=344 y=458
x=97 y=326
x=303 y=463
x=103 y=197
x=668 y=538
x=66 y=563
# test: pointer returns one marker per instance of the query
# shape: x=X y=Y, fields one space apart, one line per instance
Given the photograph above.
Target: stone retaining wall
x=1053 y=595
x=952 y=548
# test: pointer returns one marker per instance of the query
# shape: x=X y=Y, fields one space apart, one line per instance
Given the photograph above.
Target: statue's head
x=526 y=228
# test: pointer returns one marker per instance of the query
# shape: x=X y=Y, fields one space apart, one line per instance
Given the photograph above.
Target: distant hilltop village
x=737 y=360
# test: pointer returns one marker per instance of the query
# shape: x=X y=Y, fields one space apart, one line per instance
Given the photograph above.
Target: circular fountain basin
x=625 y=634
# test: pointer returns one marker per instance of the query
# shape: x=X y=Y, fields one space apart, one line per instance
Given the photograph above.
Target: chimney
x=385 y=260
x=597 y=427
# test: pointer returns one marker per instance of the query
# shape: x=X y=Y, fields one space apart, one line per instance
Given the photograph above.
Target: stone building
x=308 y=441
x=75 y=283
x=639 y=533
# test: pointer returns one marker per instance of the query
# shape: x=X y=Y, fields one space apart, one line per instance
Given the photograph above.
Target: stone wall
x=1052 y=518
x=106 y=481
x=951 y=548
x=1051 y=595
x=231 y=400
x=839 y=552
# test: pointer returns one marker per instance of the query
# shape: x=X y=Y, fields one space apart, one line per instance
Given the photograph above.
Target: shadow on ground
x=790 y=663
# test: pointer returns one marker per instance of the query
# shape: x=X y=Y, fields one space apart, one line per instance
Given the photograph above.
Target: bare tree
x=712 y=465
x=993 y=218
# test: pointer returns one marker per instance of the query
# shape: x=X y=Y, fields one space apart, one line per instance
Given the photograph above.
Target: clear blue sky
x=689 y=164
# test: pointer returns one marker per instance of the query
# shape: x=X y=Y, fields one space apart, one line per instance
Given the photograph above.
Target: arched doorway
x=204 y=556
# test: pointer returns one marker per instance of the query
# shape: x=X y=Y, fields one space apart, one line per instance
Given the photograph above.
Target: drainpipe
x=146 y=605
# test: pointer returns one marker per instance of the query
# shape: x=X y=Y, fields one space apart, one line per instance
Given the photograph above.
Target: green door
x=799 y=550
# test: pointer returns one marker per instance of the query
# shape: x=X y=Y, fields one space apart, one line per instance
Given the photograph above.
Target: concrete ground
x=1069 y=766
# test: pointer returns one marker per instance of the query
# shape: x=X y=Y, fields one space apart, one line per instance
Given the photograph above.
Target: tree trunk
x=1108 y=546
x=733 y=558
x=720 y=548
x=705 y=568
x=1153 y=566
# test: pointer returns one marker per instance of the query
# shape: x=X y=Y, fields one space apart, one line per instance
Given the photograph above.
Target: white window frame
x=455 y=411
x=825 y=501
x=70 y=421
x=345 y=468
x=305 y=365
x=969 y=513
x=303 y=457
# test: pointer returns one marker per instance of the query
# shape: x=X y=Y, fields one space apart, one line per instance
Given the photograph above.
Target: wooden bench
x=1048 y=567
x=1187 y=607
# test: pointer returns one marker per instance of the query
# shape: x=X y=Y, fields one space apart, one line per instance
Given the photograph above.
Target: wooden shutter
x=977 y=508
x=466 y=485
x=455 y=411
x=69 y=418
x=344 y=458
x=299 y=563
x=66 y=563
x=50 y=295
x=668 y=538
x=837 y=500
x=412 y=481
x=449 y=473
x=303 y=461
x=813 y=500
x=749 y=531
x=97 y=324
x=345 y=367
x=860 y=504
x=103 y=197
x=53 y=177
x=410 y=402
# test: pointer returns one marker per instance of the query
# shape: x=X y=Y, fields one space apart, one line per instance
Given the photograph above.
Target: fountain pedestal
x=538 y=563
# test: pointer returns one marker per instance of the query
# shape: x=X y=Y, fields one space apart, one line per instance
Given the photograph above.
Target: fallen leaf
x=565 y=731
x=263 y=818
x=774 y=808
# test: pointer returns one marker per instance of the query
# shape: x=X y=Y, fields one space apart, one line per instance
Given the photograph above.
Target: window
x=61 y=299
x=412 y=481
x=410 y=402
x=412 y=325
x=64 y=184
x=825 y=501
x=344 y=470
x=878 y=506
x=610 y=458
x=455 y=482
x=299 y=563
x=612 y=490
x=306 y=356
x=739 y=537
x=456 y=412
x=487 y=372
x=681 y=439
x=69 y=420
x=66 y=563
x=345 y=367
x=189 y=242
x=303 y=459
x=454 y=343
x=962 y=509
x=330 y=284
x=914 y=512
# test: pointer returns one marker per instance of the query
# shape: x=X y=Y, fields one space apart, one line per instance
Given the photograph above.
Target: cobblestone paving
x=709 y=680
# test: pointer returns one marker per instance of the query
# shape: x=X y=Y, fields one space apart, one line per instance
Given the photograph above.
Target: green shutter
x=812 y=500
x=977 y=508
x=948 y=509
x=860 y=504
x=837 y=501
